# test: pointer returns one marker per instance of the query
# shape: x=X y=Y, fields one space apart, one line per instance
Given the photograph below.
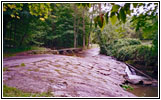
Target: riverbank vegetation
x=14 y=92
x=134 y=42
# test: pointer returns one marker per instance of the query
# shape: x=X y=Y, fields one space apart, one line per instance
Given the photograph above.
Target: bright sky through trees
x=140 y=10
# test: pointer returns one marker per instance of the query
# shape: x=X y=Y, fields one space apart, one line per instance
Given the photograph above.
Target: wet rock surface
x=67 y=76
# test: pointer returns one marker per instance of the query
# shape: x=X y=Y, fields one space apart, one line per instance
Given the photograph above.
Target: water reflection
x=144 y=91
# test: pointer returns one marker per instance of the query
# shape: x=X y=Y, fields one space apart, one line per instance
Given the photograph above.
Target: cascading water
x=132 y=77
x=140 y=90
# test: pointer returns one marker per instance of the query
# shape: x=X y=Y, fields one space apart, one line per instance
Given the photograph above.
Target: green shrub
x=112 y=47
x=142 y=53
x=130 y=49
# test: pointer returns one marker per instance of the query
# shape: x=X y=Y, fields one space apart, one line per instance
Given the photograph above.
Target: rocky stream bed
x=89 y=75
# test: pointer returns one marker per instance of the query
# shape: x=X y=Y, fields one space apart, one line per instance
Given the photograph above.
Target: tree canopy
x=55 y=21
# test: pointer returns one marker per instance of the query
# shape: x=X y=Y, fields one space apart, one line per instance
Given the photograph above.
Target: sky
x=140 y=9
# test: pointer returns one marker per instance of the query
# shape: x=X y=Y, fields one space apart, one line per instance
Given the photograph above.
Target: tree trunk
x=77 y=29
x=10 y=35
x=22 y=39
x=75 y=34
x=5 y=22
x=84 y=35
x=25 y=34
x=15 y=30
x=89 y=39
x=100 y=9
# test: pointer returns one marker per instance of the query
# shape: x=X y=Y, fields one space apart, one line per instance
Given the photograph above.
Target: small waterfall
x=132 y=71
x=132 y=77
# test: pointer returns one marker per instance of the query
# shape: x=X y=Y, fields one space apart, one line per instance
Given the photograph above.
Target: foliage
x=13 y=51
x=155 y=45
x=36 y=9
x=22 y=64
x=63 y=34
x=130 y=49
x=51 y=27
x=116 y=13
x=147 y=24
x=118 y=31
x=120 y=12
x=113 y=46
x=126 y=87
x=14 y=92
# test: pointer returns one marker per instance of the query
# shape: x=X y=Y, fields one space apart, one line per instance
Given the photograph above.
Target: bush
x=112 y=47
x=130 y=49
x=140 y=53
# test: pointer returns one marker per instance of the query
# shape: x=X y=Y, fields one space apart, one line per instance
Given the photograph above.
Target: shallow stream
x=144 y=91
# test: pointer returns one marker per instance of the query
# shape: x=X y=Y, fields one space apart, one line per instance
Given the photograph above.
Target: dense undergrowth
x=7 y=52
x=131 y=50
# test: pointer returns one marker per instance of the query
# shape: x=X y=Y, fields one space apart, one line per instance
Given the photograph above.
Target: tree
x=75 y=32
x=21 y=14
x=91 y=29
x=84 y=7
x=146 y=22
x=84 y=34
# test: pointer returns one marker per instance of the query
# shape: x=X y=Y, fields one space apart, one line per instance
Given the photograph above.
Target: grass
x=5 y=69
x=22 y=64
x=7 y=52
x=127 y=87
x=14 y=92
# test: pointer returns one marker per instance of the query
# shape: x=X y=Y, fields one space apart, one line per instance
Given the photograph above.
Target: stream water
x=144 y=91
x=138 y=90
x=141 y=90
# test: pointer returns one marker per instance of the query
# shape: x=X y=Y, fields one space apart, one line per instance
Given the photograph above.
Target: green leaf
x=140 y=4
x=122 y=15
x=128 y=12
x=135 y=5
x=100 y=21
x=118 y=16
x=113 y=19
x=112 y=4
x=96 y=21
x=115 y=8
x=103 y=24
x=127 y=6
x=149 y=4
x=112 y=13
x=89 y=5
x=12 y=15
x=106 y=17
x=156 y=4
